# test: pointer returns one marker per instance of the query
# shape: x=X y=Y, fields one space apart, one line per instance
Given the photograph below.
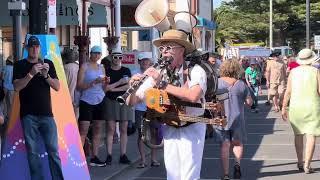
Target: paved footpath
x=269 y=154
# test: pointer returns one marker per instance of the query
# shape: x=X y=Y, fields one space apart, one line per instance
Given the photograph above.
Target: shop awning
x=202 y=22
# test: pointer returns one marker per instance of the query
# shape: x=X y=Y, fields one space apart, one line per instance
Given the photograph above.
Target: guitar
x=167 y=109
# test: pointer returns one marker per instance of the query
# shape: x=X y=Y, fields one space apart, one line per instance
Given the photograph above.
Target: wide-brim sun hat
x=176 y=36
x=307 y=56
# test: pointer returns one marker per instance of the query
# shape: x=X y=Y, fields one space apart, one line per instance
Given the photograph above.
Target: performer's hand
x=135 y=78
x=152 y=72
x=36 y=69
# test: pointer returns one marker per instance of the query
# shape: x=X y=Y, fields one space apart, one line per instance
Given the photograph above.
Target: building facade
x=133 y=37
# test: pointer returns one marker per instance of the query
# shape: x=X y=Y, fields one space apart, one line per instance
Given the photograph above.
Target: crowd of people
x=293 y=85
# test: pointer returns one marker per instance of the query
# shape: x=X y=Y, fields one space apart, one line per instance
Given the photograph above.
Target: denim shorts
x=236 y=134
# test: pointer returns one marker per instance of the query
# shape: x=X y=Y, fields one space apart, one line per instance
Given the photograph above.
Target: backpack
x=201 y=58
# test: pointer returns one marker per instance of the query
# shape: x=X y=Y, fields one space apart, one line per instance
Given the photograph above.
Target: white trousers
x=183 y=149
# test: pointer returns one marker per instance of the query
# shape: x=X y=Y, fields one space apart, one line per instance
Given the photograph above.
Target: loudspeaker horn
x=185 y=21
x=153 y=13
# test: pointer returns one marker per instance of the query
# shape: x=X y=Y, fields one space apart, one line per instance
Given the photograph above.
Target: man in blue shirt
x=252 y=75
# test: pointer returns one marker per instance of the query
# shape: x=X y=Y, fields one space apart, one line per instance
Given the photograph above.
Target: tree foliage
x=241 y=21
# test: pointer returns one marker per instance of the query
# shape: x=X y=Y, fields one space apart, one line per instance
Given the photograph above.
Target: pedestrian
x=2 y=130
x=8 y=86
x=145 y=61
x=92 y=83
x=215 y=62
x=292 y=63
x=71 y=69
x=33 y=78
x=303 y=93
x=276 y=79
x=253 y=76
x=234 y=134
x=183 y=145
x=119 y=78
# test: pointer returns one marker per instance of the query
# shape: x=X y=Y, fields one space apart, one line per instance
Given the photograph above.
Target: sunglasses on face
x=117 y=57
x=167 y=48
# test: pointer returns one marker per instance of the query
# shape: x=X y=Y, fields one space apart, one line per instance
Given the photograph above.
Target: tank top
x=95 y=94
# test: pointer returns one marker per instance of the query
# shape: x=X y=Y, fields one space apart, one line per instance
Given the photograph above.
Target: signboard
x=128 y=59
x=14 y=163
x=66 y=13
x=52 y=14
x=51 y=2
x=317 y=42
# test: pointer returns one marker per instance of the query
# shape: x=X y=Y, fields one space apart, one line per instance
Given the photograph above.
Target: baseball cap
x=33 y=41
x=144 y=55
x=275 y=54
x=96 y=49
x=253 y=61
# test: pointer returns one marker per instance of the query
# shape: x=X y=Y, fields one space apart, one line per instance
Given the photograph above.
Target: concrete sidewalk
x=103 y=173
x=269 y=154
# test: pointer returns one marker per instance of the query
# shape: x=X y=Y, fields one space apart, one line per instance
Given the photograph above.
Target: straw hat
x=176 y=36
x=307 y=56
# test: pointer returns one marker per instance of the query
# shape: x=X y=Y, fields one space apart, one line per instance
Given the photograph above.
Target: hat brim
x=311 y=60
x=187 y=45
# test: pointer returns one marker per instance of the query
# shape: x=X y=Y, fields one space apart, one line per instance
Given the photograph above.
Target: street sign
x=52 y=14
x=128 y=59
x=317 y=42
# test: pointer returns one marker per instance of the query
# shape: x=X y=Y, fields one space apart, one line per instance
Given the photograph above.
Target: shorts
x=116 y=112
x=276 y=89
x=138 y=118
x=236 y=134
x=88 y=112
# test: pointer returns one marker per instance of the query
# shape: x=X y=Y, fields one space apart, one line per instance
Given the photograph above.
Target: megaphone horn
x=185 y=21
x=153 y=13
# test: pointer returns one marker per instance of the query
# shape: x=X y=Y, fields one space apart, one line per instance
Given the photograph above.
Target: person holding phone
x=33 y=80
x=92 y=84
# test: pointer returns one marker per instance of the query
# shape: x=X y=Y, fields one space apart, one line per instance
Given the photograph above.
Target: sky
x=216 y=3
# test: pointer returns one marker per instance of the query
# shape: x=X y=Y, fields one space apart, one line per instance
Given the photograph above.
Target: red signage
x=52 y=2
x=128 y=59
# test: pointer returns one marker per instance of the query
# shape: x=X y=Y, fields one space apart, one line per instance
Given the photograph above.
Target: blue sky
x=216 y=3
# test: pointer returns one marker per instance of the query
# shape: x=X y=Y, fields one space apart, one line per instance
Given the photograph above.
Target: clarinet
x=162 y=62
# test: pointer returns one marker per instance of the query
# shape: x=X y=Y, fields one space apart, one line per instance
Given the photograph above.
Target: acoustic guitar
x=167 y=109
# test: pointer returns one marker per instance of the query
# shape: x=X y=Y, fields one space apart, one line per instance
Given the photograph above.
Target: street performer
x=183 y=146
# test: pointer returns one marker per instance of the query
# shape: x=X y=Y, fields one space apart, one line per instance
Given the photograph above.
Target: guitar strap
x=185 y=80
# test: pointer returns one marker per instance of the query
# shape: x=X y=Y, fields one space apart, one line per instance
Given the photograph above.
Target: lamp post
x=307 y=23
x=16 y=8
x=271 y=26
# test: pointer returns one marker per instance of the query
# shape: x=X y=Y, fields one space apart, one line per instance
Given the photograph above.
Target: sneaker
x=300 y=167
x=236 y=171
x=124 y=159
x=96 y=162
x=225 y=177
x=267 y=103
x=109 y=159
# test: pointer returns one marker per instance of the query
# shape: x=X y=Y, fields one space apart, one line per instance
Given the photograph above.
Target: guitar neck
x=185 y=118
